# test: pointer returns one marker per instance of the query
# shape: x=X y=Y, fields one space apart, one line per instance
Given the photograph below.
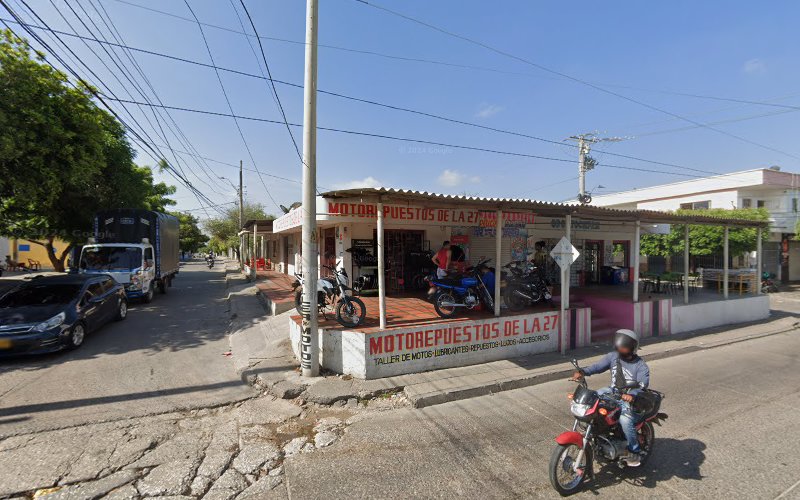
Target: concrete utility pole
x=586 y=162
x=309 y=339
x=241 y=213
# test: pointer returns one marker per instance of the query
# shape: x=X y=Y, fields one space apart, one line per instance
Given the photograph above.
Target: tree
x=224 y=230
x=191 y=238
x=61 y=157
x=707 y=240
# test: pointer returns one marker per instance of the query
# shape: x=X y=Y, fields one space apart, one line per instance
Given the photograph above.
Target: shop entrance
x=593 y=260
x=403 y=248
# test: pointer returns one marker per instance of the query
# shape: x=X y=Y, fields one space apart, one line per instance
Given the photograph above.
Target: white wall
x=723 y=199
x=5 y=248
x=690 y=317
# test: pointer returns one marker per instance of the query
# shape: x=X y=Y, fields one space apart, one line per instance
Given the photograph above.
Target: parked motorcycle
x=464 y=291
x=334 y=294
x=767 y=283
x=596 y=433
x=524 y=285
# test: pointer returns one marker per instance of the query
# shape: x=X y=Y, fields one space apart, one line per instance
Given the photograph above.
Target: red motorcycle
x=596 y=433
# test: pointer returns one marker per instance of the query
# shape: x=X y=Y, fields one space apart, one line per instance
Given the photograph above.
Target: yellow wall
x=34 y=251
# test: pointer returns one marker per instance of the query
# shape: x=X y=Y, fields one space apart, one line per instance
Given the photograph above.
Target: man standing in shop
x=442 y=260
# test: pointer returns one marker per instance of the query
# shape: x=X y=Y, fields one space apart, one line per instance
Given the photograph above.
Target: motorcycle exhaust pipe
x=450 y=304
x=523 y=295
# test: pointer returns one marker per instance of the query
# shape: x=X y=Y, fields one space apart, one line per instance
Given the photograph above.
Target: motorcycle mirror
x=575 y=362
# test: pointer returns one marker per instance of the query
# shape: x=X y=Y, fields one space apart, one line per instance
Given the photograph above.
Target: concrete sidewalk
x=263 y=355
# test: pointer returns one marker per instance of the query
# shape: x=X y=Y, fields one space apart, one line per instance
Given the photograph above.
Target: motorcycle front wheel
x=351 y=313
x=298 y=299
x=563 y=476
x=440 y=301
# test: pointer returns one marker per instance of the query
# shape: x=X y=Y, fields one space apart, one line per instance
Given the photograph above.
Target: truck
x=139 y=248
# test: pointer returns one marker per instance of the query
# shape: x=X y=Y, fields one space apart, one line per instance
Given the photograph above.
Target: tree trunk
x=56 y=261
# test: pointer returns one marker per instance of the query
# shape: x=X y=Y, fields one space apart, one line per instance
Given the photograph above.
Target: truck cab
x=131 y=264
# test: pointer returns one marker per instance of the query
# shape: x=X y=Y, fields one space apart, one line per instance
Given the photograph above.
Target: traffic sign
x=564 y=253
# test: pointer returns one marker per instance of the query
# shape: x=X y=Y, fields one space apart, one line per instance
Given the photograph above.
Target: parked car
x=54 y=312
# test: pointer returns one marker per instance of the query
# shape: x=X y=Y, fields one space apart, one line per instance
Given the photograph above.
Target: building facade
x=769 y=188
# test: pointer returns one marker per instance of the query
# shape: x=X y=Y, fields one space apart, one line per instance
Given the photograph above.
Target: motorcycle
x=210 y=262
x=524 y=286
x=332 y=295
x=596 y=433
x=466 y=291
x=767 y=285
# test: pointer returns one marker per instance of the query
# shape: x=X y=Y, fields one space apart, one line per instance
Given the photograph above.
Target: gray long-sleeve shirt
x=635 y=370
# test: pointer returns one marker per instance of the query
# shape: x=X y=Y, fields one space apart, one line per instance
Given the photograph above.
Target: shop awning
x=588 y=212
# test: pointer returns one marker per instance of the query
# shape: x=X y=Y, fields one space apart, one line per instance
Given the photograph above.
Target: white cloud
x=454 y=178
x=755 y=67
x=487 y=110
x=366 y=182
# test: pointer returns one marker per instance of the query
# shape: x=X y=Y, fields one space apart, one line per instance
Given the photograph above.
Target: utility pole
x=241 y=215
x=309 y=338
x=586 y=162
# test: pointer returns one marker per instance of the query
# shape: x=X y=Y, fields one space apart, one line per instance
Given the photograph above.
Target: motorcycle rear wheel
x=512 y=300
x=563 y=478
x=443 y=310
x=647 y=437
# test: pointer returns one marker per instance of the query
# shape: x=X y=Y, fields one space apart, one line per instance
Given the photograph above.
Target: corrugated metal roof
x=544 y=207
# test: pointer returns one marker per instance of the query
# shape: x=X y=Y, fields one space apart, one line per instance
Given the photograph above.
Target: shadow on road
x=672 y=458
x=192 y=313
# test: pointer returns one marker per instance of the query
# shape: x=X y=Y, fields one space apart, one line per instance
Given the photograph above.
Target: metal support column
x=498 y=251
x=725 y=266
x=686 y=264
x=636 y=251
x=381 y=269
x=759 y=261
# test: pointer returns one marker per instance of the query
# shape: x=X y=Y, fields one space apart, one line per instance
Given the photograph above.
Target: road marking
x=785 y=493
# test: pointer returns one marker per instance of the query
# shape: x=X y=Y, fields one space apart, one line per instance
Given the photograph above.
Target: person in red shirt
x=442 y=260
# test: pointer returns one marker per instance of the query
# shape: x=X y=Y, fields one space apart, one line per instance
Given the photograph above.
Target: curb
x=542 y=377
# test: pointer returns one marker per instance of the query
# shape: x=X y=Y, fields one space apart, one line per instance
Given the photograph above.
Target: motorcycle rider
x=626 y=368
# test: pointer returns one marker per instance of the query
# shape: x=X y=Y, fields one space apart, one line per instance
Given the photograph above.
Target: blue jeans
x=627 y=421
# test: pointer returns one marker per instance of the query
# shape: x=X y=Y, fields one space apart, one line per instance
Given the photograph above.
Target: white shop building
x=605 y=290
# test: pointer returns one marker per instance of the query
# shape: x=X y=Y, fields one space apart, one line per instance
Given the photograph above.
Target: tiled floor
x=409 y=311
x=277 y=286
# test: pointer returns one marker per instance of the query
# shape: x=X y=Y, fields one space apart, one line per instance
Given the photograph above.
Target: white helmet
x=626 y=338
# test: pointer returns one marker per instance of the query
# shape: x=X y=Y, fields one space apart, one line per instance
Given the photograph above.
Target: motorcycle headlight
x=51 y=323
x=579 y=410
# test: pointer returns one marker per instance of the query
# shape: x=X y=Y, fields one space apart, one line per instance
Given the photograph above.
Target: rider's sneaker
x=632 y=459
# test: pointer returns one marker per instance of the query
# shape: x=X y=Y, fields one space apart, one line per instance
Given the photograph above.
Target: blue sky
x=642 y=50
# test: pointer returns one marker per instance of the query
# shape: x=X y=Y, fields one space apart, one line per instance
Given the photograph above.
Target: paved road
x=165 y=356
x=732 y=433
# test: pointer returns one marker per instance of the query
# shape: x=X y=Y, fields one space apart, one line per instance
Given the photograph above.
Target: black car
x=54 y=312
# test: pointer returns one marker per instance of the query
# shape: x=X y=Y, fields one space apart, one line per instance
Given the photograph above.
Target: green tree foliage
x=61 y=157
x=224 y=230
x=707 y=240
x=191 y=238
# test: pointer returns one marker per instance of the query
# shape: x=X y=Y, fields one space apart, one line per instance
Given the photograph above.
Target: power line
x=439 y=62
x=272 y=84
x=410 y=110
x=568 y=76
x=87 y=87
x=125 y=73
x=408 y=139
x=228 y=101
x=180 y=135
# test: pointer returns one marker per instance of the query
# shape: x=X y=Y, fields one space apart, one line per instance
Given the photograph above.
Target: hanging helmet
x=627 y=339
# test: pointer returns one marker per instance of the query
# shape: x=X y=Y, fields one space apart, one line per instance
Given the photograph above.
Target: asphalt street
x=731 y=432
x=167 y=355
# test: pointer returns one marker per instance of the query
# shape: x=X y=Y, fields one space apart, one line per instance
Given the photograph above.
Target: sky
x=627 y=69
